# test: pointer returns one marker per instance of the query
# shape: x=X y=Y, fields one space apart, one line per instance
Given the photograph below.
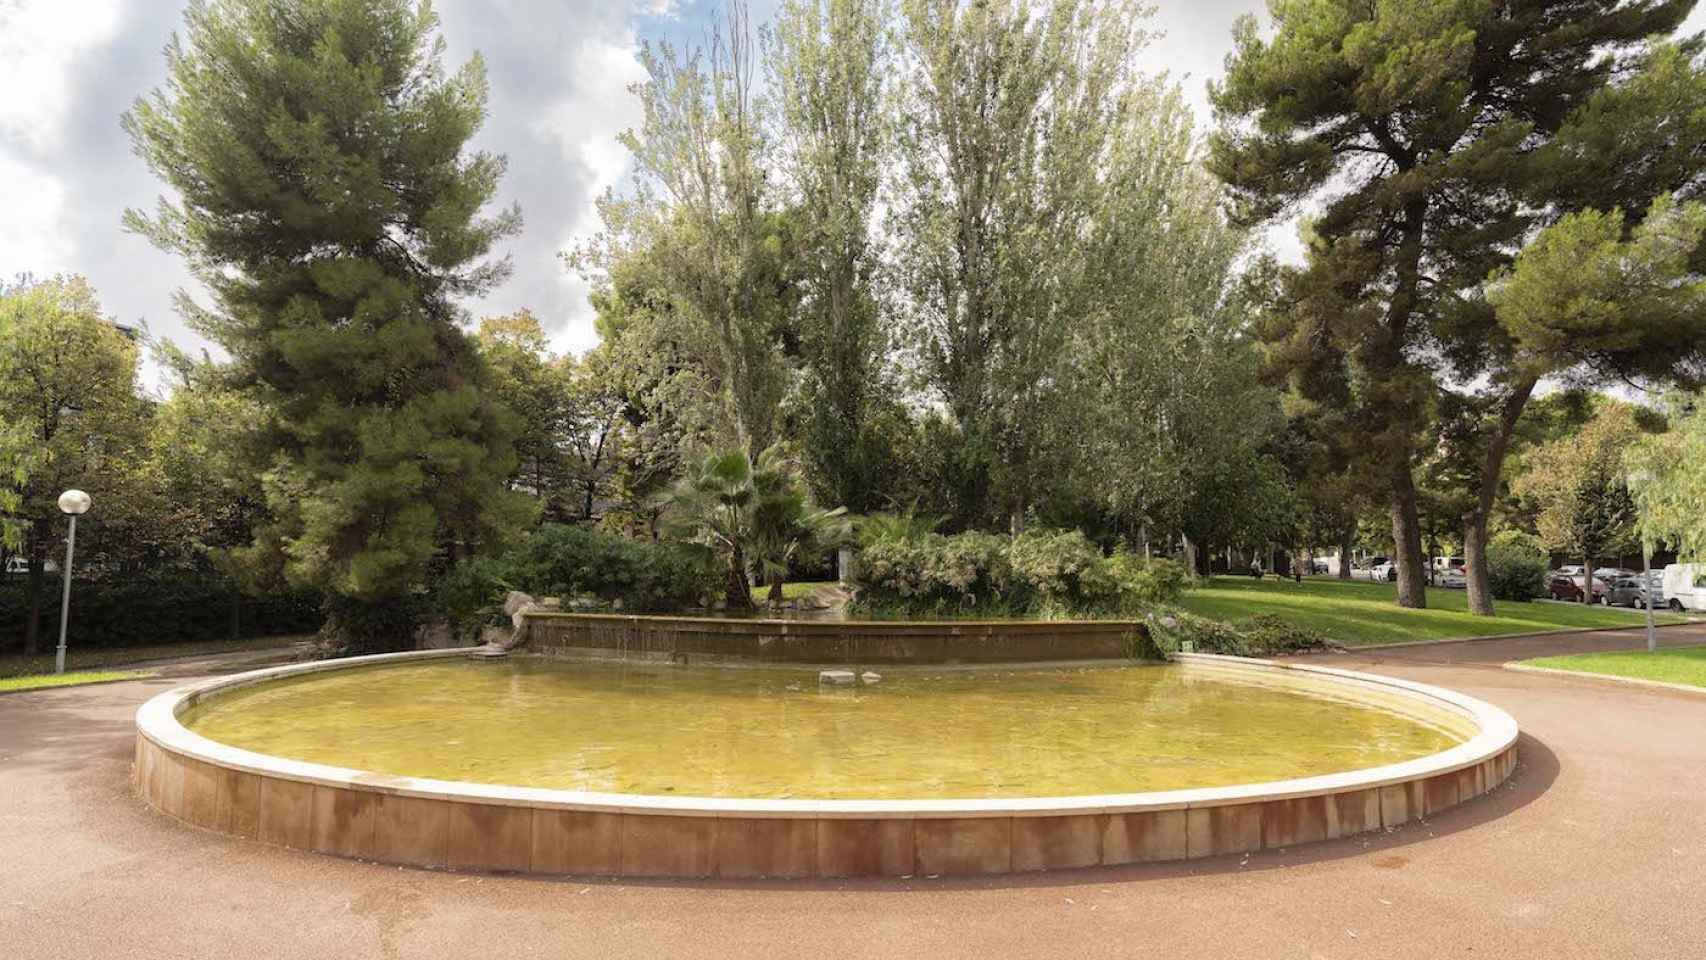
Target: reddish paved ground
x=1597 y=850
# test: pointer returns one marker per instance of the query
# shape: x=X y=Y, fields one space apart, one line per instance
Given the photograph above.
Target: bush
x=1516 y=566
x=1046 y=573
x=1262 y=635
x=1148 y=583
x=160 y=609
x=1266 y=635
x=1061 y=570
x=575 y=563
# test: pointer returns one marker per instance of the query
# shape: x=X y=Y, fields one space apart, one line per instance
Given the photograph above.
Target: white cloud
x=584 y=126
x=45 y=45
x=43 y=48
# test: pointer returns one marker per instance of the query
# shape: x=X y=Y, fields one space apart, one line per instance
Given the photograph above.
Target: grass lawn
x=18 y=665
x=792 y=590
x=1685 y=665
x=1359 y=613
x=42 y=681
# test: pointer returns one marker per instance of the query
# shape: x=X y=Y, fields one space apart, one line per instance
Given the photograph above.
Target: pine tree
x=329 y=202
x=1428 y=134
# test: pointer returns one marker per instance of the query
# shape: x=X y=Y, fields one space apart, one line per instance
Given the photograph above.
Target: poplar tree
x=327 y=198
x=829 y=65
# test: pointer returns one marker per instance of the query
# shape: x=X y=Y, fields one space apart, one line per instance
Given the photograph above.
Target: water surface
x=774 y=733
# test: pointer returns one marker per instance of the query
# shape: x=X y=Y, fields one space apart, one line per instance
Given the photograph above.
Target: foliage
x=70 y=416
x=1261 y=635
x=1042 y=572
x=830 y=65
x=1516 y=566
x=751 y=512
x=1146 y=583
x=1433 y=137
x=135 y=612
x=574 y=563
x=568 y=416
x=702 y=206
x=1668 y=481
x=327 y=198
x=1578 y=484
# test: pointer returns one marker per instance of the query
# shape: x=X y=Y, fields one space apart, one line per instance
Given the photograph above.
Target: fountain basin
x=957 y=826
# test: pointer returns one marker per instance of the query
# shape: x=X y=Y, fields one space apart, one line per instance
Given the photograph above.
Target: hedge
x=137 y=613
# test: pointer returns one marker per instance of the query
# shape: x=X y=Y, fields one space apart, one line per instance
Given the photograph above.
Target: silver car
x=1631 y=592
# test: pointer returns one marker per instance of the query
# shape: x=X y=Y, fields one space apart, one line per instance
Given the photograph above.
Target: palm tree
x=712 y=504
x=746 y=510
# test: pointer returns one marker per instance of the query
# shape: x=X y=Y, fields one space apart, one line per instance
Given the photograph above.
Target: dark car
x=1570 y=588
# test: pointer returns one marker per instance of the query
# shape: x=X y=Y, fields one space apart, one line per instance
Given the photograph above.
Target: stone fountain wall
x=714 y=639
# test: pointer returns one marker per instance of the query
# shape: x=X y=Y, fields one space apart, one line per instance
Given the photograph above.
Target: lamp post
x=1635 y=480
x=73 y=503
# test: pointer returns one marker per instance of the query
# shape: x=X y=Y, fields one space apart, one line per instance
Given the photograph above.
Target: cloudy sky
x=559 y=72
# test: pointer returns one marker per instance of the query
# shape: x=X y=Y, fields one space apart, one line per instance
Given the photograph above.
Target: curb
x=1518 y=636
x=1520 y=667
x=79 y=686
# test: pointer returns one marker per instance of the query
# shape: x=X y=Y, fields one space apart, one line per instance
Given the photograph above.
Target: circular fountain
x=647 y=768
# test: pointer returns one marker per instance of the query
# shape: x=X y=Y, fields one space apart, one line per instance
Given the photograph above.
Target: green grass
x=792 y=590
x=1685 y=665
x=1361 y=613
x=43 y=681
x=18 y=665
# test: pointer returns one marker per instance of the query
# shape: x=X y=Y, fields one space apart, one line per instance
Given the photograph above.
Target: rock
x=836 y=678
x=435 y=635
x=871 y=676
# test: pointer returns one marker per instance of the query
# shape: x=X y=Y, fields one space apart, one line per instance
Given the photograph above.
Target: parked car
x=1321 y=566
x=1685 y=586
x=1570 y=588
x=1568 y=570
x=1452 y=578
x=1631 y=592
x=1612 y=573
x=1387 y=571
x=1442 y=564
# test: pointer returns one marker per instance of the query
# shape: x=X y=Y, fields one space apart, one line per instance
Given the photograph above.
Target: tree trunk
x=776 y=591
x=1345 y=555
x=1476 y=574
x=1407 y=538
x=39 y=532
x=1190 y=554
x=1587 y=580
x=739 y=590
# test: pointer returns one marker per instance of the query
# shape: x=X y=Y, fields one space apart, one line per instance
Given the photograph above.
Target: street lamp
x=73 y=503
x=1636 y=479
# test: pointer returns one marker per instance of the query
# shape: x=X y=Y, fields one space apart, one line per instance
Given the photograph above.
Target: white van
x=1685 y=586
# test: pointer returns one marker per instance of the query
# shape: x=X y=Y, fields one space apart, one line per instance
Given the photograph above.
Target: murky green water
x=774 y=733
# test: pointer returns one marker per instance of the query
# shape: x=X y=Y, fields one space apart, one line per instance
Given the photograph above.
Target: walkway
x=1597 y=849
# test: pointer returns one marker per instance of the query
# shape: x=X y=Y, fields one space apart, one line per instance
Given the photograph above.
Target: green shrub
x=1061 y=570
x=1040 y=573
x=1176 y=631
x=1516 y=566
x=1262 y=635
x=580 y=563
x=1266 y=635
x=1146 y=583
